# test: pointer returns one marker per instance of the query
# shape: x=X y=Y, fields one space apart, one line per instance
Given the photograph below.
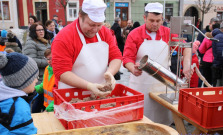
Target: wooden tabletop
x=46 y=122
x=176 y=113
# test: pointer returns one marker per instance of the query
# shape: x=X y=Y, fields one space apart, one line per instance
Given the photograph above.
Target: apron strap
x=99 y=38
x=81 y=36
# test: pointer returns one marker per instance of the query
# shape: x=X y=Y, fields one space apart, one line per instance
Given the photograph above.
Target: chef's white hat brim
x=154 y=7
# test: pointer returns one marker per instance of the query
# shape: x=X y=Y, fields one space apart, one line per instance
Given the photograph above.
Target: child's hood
x=7 y=92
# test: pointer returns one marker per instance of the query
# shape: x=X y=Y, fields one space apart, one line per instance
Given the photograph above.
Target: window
x=72 y=11
x=6 y=12
x=168 y=11
x=220 y=15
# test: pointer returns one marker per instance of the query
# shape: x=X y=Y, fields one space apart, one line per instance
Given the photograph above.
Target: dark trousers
x=207 y=72
x=37 y=105
x=216 y=75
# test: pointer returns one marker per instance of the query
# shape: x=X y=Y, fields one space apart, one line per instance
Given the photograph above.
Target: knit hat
x=17 y=70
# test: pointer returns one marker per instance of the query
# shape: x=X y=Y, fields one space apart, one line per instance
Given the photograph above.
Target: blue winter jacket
x=217 y=48
x=21 y=122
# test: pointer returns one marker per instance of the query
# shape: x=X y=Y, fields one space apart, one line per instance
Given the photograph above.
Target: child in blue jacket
x=19 y=76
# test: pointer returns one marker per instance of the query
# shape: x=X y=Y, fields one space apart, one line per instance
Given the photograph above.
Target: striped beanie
x=17 y=70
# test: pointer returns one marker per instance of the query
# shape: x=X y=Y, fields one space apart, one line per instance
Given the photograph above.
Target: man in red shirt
x=84 y=54
x=151 y=39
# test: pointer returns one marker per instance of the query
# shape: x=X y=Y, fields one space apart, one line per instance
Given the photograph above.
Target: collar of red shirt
x=159 y=33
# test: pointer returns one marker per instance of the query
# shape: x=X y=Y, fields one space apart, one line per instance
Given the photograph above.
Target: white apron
x=158 y=51
x=92 y=61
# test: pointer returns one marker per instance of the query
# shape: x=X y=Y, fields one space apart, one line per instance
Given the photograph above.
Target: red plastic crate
x=203 y=106
x=127 y=97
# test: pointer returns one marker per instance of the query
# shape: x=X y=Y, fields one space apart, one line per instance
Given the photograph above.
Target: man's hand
x=137 y=71
x=188 y=72
x=109 y=78
x=94 y=87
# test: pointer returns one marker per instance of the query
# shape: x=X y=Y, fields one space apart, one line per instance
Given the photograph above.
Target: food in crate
x=93 y=97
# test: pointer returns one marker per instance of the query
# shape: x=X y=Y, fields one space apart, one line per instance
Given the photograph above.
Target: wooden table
x=178 y=117
x=46 y=122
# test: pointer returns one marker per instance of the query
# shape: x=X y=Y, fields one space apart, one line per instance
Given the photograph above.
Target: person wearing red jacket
x=84 y=54
x=194 y=79
x=151 y=39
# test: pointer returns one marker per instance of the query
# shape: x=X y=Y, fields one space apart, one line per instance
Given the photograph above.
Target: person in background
x=13 y=42
x=217 y=65
x=135 y=25
x=118 y=33
x=60 y=25
x=118 y=74
x=198 y=25
x=206 y=50
x=48 y=83
x=55 y=19
x=9 y=50
x=164 y=22
x=51 y=30
x=108 y=25
x=127 y=29
x=208 y=28
x=19 y=75
x=32 y=20
x=84 y=54
x=151 y=39
x=200 y=38
x=3 y=39
x=35 y=47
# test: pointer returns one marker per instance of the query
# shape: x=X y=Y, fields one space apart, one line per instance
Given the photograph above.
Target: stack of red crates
x=203 y=105
x=127 y=96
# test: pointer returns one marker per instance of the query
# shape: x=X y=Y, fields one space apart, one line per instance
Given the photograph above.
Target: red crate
x=203 y=106
x=127 y=97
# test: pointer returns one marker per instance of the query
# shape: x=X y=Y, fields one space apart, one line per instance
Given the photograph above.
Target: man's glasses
x=40 y=30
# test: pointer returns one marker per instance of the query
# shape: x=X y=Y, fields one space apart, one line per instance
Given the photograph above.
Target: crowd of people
x=88 y=54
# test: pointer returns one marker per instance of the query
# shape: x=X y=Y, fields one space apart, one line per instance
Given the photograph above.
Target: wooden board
x=122 y=129
x=46 y=122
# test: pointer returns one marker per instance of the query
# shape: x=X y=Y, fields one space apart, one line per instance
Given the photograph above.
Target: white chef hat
x=95 y=9
x=154 y=7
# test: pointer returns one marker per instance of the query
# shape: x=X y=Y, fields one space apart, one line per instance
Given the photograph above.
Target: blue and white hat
x=17 y=70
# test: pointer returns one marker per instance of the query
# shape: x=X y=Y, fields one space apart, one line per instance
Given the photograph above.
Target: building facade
x=134 y=9
x=9 y=16
x=17 y=12
x=45 y=9
x=190 y=9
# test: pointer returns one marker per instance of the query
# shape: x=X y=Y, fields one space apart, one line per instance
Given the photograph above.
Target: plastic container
x=203 y=106
x=127 y=98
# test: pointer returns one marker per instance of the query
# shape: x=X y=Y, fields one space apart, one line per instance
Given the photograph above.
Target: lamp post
x=181 y=7
x=164 y=6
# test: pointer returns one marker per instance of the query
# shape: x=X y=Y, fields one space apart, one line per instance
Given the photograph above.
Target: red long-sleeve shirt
x=136 y=38
x=67 y=46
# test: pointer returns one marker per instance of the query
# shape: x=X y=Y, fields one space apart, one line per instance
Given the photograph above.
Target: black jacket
x=118 y=34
